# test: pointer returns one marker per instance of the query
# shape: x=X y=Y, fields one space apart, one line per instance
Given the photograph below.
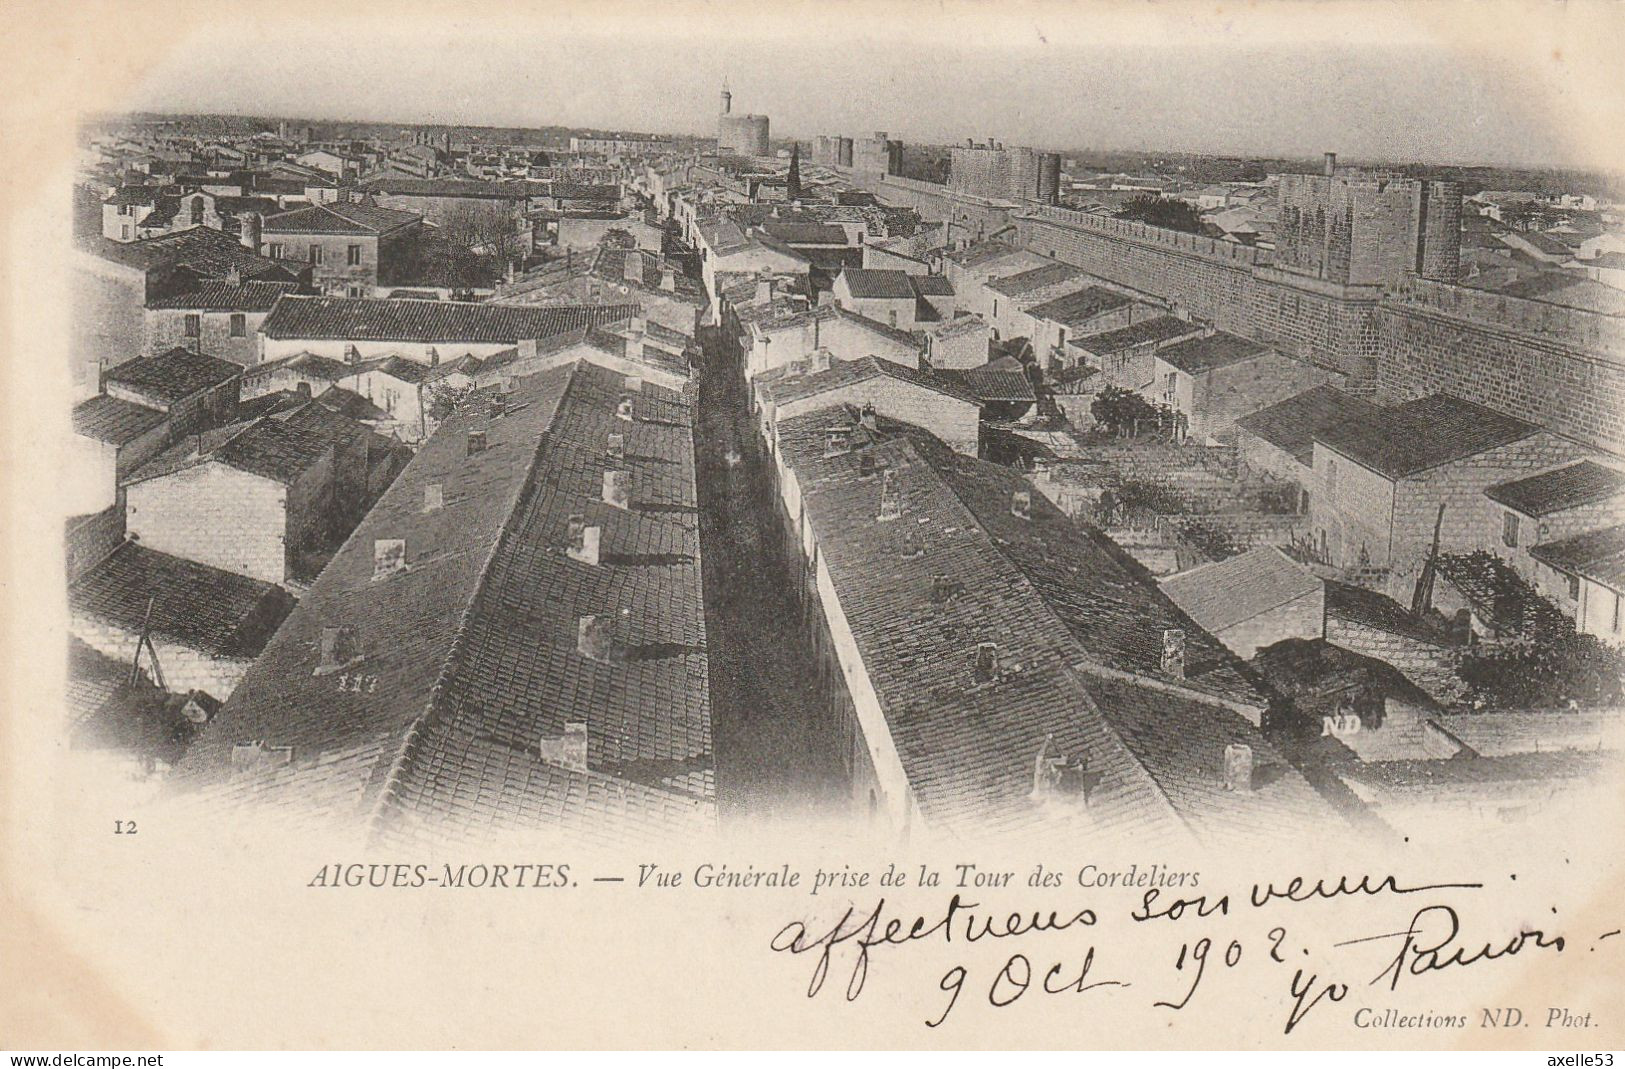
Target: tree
x=1547 y=672
x=1122 y=411
x=1160 y=211
x=793 y=182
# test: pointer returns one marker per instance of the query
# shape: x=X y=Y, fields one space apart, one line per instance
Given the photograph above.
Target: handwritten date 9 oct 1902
x=1062 y=952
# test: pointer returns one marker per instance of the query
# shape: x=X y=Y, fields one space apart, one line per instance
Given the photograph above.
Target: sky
x=1493 y=83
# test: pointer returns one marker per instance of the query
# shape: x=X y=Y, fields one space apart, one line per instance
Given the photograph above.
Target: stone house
x=1550 y=506
x=1584 y=575
x=1252 y=600
x=1212 y=380
x=959 y=342
x=877 y=387
x=1054 y=323
x=194 y=390
x=1378 y=484
x=786 y=335
x=221 y=317
x=248 y=499
x=344 y=243
x=203 y=626
x=112 y=437
x=886 y=296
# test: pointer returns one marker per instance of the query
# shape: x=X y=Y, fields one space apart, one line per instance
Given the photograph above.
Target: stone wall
x=1561 y=367
x=214 y=515
x=1431 y=667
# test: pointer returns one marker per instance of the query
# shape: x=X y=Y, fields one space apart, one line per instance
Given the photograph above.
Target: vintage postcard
x=855 y=525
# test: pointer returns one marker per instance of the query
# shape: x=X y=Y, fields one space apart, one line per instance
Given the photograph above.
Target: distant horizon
x=1437 y=83
x=1074 y=150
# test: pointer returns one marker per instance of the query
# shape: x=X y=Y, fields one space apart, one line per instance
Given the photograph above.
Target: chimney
x=837 y=440
x=499 y=406
x=986 y=667
x=764 y=290
x=476 y=442
x=583 y=540
x=434 y=356
x=943 y=589
x=250 y=225
x=866 y=416
x=618 y=488
x=623 y=410
x=527 y=348
x=1021 y=504
x=234 y=275
x=568 y=749
x=434 y=497
x=867 y=465
x=302 y=388
x=668 y=279
x=632 y=267
x=818 y=360
x=593 y=639
x=891 y=496
x=338 y=648
x=1238 y=768
x=617 y=447
x=388 y=557
x=1173 y=653
x=1331 y=164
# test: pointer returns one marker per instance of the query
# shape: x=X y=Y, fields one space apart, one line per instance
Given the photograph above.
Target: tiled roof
x=995 y=381
x=339 y=217
x=1075 y=622
x=787 y=388
x=468 y=658
x=1585 y=483
x=1381 y=612
x=174 y=375
x=209 y=252
x=931 y=285
x=458 y=187
x=1198 y=355
x=807 y=233
x=1423 y=434
x=350 y=404
x=113 y=420
x=223 y=295
x=362 y=319
x=1080 y=306
x=1597 y=555
x=1292 y=425
x=878 y=284
x=273 y=449
x=193 y=604
x=1498 y=734
x=1486 y=777
x=1227 y=592
x=1146 y=331
x=1034 y=279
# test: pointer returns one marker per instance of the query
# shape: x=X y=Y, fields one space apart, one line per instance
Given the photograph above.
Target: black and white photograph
x=972 y=471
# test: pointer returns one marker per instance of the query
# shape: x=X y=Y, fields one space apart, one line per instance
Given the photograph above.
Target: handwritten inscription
x=1061 y=950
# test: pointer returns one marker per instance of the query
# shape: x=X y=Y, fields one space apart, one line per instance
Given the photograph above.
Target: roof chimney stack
x=891 y=496
x=584 y=540
x=623 y=410
x=434 y=497
x=568 y=749
x=338 y=648
x=1331 y=164
x=593 y=640
x=1173 y=653
x=1021 y=504
x=388 y=557
x=618 y=488
x=476 y=442
x=986 y=667
x=617 y=448
x=1238 y=768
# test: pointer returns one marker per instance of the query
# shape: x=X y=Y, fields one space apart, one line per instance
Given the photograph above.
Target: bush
x=1545 y=672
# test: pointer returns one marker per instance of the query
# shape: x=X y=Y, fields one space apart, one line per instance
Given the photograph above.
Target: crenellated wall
x=1558 y=366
